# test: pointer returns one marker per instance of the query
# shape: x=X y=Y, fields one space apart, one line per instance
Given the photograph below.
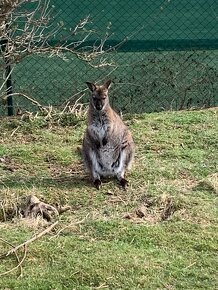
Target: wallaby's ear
x=91 y=86
x=107 y=84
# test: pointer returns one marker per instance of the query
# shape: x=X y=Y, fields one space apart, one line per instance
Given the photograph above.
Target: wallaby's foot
x=123 y=183
x=97 y=183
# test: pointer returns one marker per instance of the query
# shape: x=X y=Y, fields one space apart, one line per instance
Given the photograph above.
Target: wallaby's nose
x=98 y=107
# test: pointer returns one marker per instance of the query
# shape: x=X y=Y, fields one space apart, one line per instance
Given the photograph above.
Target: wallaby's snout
x=99 y=101
x=99 y=105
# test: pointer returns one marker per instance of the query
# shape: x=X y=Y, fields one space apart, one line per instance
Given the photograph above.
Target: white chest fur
x=99 y=129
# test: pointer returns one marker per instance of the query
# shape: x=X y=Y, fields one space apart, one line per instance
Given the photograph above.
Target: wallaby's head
x=99 y=97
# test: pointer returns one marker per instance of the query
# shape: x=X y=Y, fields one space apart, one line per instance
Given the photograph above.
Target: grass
x=159 y=234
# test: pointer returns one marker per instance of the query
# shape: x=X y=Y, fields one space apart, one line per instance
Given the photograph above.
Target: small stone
x=141 y=212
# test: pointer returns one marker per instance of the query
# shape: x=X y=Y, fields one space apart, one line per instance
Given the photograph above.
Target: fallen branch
x=70 y=225
x=17 y=258
x=23 y=245
x=20 y=262
x=47 y=230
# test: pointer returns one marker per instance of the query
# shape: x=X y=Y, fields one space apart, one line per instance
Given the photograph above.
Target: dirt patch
x=7 y=163
x=154 y=210
x=57 y=169
x=210 y=184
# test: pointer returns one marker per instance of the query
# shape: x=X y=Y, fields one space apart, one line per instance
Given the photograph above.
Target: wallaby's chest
x=99 y=127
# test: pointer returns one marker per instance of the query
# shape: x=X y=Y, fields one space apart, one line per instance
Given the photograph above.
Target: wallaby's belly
x=107 y=155
x=108 y=160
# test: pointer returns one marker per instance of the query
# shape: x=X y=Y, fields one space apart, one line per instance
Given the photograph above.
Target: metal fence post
x=8 y=77
x=9 y=89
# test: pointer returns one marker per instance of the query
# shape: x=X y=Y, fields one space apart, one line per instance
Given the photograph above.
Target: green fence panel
x=166 y=56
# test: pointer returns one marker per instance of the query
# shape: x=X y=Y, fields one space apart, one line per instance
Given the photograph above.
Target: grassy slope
x=174 y=246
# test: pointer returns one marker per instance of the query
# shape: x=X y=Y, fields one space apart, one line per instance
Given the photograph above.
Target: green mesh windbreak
x=162 y=55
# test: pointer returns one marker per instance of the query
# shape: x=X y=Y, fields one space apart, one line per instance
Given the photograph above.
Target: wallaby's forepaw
x=97 y=183
x=123 y=183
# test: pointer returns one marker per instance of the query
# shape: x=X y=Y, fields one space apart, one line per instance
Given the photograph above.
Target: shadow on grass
x=71 y=181
x=205 y=186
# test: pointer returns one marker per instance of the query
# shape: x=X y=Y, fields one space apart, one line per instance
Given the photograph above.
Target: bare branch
x=24 y=246
x=20 y=262
x=33 y=101
x=47 y=230
x=33 y=30
x=17 y=258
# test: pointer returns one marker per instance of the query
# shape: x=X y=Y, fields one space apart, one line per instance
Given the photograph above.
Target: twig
x=33 y=101
x=17 y=257
x=192 y=264
x=48 y=229
x=103 y=285
x=20 y=262
x=6 y=79
x=117 y=198
x=68 y=226
x=3 y=210
x=14 y=131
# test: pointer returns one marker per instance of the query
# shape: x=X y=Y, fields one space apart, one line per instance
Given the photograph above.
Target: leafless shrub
x=29 y=27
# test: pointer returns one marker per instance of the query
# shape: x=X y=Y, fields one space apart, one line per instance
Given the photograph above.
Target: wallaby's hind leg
x=123 y=182
x=97 y=183
x=95 y=169
x=120 y=170
x=125 y=162
x=93 y=166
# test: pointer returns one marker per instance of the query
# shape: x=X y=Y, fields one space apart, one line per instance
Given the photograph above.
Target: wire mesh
x=161 y=55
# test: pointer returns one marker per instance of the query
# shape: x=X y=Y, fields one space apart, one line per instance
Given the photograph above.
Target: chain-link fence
x=160 y=55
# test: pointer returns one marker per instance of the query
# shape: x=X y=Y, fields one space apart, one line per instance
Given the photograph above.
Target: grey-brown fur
x=108 y=147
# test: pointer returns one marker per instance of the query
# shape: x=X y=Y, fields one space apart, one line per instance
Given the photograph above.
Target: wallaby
x=108 y=147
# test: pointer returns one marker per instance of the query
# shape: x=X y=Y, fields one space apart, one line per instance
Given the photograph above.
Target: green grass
x=174 y=180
